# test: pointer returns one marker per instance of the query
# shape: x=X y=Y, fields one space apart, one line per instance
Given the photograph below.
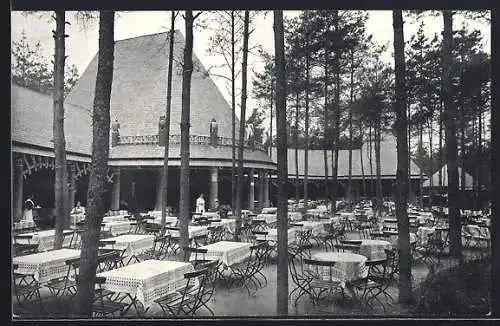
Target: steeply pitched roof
x=469 y=181
x=316 y=166
x=32 y=116
x=138 y=96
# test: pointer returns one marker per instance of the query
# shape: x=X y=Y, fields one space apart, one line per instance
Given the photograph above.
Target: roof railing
x=176 y=139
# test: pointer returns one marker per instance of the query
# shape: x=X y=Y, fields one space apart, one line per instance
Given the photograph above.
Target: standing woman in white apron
x=29 y=204
x=200 y=204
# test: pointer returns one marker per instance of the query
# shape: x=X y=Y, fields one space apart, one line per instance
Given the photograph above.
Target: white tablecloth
x=211 y=215
x=316 y=227
x=75 y=218
x=273 y=235
x=269 y=210
x=316 y=212
x=45 y=266
x=133 y=244
x=171 y=219
x=193 y=230
x=348 y=266
x=228 y=223
x=269 y=218
x=149 y=280
x=228 y=252
x=115 y=213
x=45 y=239
x=118 y=227
x=116 y=218
x=481 y=234
x=295 y=216
x=374 y=249
x=21 y=225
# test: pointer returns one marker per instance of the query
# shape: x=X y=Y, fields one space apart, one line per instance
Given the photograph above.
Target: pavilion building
x=137 y=110
x=136 y=156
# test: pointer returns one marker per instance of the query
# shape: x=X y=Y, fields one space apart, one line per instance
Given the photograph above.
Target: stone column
x=159 y=197
x=214 y=186
x=72 y=185
x=18 y=190
x=251 y=190
x=115 y=197
x=266 y=189
x=260 y=191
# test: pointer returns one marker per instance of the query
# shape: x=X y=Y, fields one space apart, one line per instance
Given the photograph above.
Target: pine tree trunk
x=282 y=271
x=271 y=124
x=306 y=149
x=479 y=160
x=167 y=121
x=233 y=119
x=336 y=121
x=378 y=166
x=361 y=132
x=370 y=140
x=402 y=180
x=409 y=155
x=187 y=70
x=61 y=169
x=239 y=188
x=421 y=151
x=440 y=143
x=325 y=129
x=430 y=152
x=100 y=152
x=351 y=101
x=296 y=141
x=449 y=116
x=462 y=147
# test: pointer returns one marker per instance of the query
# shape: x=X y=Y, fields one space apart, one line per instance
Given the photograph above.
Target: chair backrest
x=319 y=269
x=192 y=250
x=347 y=248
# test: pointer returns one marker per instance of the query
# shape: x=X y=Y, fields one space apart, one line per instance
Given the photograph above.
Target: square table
x=147 y=281
x=272 y=235
x=132 y=244
x=227 y=252
x=193 y=231
x=45 y=266
x=269 y=218
x=115 y=218
x=211 y=215
x=45 y=239
x=269 y=210
x=118 y=227
x=228 y=224
x=374 y=249
x=23 y=224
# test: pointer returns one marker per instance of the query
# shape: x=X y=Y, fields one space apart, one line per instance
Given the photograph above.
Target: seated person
x=78 y=209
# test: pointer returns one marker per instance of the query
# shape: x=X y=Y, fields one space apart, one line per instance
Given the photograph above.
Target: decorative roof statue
x=115 y=133
x=214 y=133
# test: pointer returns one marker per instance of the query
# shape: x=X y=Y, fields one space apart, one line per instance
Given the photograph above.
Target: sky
x=82 y=43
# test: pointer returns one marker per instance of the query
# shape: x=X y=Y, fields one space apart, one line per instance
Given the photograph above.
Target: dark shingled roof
x=316 y=166
x=32 y=116
x=138 y=96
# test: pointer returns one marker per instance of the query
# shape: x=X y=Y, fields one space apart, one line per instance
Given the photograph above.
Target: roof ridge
x=147 y=35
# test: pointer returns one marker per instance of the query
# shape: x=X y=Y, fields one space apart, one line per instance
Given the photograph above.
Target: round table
x=348 y=266
x=374 y=249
